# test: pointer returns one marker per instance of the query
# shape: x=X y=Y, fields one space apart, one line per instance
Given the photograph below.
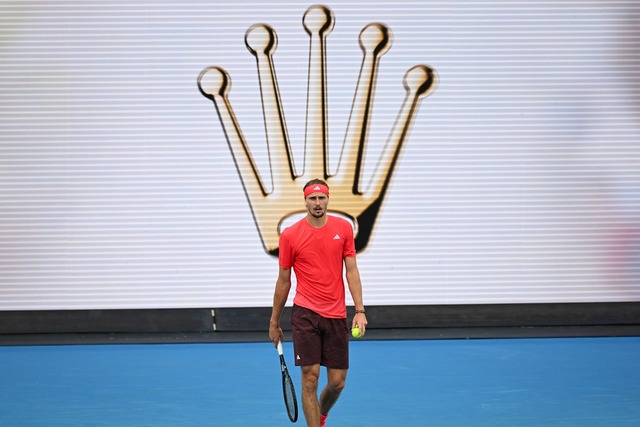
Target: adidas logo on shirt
x=336 y=237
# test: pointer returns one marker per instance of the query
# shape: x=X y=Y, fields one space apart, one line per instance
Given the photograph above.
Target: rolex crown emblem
x=348 y=198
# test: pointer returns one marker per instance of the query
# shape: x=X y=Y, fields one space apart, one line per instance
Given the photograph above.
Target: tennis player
x=317 y=248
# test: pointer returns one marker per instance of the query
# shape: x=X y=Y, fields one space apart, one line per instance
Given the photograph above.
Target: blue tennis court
x=490 y=382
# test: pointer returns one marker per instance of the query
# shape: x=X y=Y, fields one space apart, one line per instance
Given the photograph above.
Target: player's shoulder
x=293 y=227
x=337 y=221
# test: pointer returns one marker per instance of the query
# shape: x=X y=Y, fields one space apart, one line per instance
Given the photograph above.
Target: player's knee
x=337 y=384
x=310 y=380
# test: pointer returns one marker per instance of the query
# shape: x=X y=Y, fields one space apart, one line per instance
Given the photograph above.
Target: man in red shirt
x=317 y=247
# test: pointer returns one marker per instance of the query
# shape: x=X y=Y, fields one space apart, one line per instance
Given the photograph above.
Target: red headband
x=316 y=188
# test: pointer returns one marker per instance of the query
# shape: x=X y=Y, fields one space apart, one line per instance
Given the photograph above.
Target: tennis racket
x=290 y=401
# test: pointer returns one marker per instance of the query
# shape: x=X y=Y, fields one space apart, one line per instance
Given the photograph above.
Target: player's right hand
x=275 y=334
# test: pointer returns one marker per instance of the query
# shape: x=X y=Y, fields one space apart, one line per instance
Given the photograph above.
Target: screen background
x=520 y=180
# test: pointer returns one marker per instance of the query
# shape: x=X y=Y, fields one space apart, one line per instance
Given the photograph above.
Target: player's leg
x=310 y=406
x=336 y=379
x=335 y=356
x=307 y=346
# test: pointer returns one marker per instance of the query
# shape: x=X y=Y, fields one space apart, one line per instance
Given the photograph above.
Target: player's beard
x=317 y=213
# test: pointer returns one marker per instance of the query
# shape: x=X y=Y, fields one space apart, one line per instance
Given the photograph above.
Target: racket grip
x=280 y=351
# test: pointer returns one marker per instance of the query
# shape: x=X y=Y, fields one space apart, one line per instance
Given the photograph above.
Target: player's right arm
x=280 y=296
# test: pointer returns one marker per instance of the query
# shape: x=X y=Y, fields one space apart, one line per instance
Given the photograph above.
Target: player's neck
x=316 y=222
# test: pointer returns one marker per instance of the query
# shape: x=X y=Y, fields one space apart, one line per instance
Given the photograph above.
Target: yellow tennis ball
x=355 y=332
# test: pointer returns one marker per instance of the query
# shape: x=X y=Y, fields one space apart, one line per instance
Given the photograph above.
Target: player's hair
x=315 y=181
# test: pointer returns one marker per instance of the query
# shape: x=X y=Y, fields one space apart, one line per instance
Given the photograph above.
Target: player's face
x=316 y=204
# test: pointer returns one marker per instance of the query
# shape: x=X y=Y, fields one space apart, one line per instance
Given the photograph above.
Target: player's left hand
x=361 y=320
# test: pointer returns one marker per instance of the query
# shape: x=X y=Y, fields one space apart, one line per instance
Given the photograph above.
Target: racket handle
x=280 y=352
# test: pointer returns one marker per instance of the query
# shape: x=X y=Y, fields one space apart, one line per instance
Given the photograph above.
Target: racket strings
x=290 y=398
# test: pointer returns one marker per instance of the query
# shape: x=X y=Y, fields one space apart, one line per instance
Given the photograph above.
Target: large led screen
x=491 y=149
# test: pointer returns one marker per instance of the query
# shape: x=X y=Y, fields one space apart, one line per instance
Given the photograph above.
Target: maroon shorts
x=319 y=340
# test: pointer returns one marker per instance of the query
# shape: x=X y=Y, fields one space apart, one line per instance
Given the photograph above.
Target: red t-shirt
x=317 y=257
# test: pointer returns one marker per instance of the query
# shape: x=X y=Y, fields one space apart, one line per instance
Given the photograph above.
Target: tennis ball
x=355 y=332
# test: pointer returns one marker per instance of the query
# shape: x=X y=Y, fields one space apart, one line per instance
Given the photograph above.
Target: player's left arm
x=355 y=287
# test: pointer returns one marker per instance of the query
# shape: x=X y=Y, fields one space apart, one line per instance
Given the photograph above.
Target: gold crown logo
x=270 y=209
